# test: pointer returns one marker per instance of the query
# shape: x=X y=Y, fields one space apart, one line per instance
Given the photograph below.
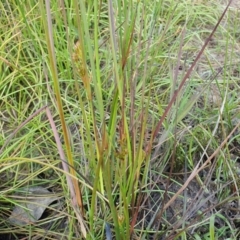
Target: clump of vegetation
x=119 y=120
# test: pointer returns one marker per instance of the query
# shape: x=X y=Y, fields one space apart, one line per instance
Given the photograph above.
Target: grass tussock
x=119 y=120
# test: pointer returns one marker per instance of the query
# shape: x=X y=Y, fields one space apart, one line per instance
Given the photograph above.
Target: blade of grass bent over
x=66 y=169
